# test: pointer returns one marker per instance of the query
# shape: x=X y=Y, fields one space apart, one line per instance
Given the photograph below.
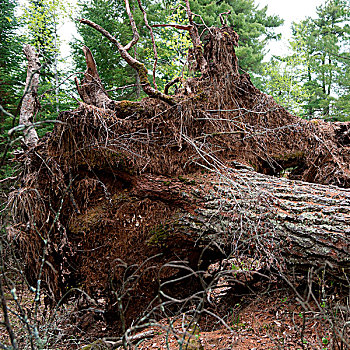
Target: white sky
x=289 y=10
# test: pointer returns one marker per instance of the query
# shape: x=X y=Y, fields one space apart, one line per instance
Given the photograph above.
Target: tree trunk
x=124 y=188
x=299 y=223
x=29 y=103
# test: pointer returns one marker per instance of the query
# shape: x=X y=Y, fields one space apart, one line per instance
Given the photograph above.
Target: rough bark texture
x=122 y=193
x=29 y=103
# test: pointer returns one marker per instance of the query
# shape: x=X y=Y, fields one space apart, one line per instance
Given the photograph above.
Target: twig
x=153 y=42
x=8 y=178
x=131 y=339
x=171 y=83
x=6 y=317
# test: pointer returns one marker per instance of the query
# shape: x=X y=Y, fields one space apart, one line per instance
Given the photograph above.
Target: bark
x=29 y=103
x=136 y=185
x=134 y=63
x=283 y=221
x=90 y=89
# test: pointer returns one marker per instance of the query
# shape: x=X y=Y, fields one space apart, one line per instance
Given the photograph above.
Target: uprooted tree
x=120 y=190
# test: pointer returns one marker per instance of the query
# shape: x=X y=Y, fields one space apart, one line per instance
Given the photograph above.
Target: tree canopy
x=318 y=65
x=253 y=25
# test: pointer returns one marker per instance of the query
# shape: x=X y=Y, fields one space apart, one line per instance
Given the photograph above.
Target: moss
x=289 y=156
x=159 y=235
x=120 y=197
x=186 y=181
x=102 y=159
x=87 y=221
x=142 y=72
x=96 y=345
x=200 y=96
x=128 y=107
x=167 y=183
x=192 y=337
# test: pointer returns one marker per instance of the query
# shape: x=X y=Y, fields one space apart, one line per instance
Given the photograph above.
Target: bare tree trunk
x=29 y=103
x=292 y=222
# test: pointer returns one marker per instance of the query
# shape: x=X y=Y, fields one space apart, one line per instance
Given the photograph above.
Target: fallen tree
x=119 y=190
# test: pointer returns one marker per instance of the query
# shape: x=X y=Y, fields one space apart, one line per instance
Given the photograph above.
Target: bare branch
x=222 y=20
x=153 y=42
x=171 y=83
x=177 y=26
x=6 y=317
x=134 y=63
x=135 y=33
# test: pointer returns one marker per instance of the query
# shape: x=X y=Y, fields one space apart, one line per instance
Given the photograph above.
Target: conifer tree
x=12 y=73
x=321 y=59
x=11 y=58
x=253 y=25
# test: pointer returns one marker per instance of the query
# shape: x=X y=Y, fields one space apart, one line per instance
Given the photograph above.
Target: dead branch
x=5 y=311
x=170 y=84
x=135 y=32
x=134 y=63
x=129 y=340
x=153 y=42
x=91 y=90
x=222 y=20
x=197 y=44
x=177 y=26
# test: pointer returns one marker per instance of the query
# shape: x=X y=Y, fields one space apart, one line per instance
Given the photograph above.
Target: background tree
x=282 y=78
x=42 y=19
x=12 y=71
x=253 y=25
x=321 y=46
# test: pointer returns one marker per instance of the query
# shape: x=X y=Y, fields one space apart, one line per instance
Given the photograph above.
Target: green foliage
x=12 y=72
x=41 y=18
x=173 y=45
x=282 y=78
x=41 y=23
x=11 y=63
x=254 y=27
x=324 y=41
x=37 y=26
x=314 y=81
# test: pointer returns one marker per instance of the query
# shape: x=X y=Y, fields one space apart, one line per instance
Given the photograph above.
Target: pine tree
x=254 y=27
x=11 y=57
x=324 y=41
x=12 y=75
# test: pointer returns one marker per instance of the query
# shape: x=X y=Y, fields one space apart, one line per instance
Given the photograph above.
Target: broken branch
x=134 y=63
x=153 y=42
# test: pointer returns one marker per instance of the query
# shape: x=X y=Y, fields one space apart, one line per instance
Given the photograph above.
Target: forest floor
x=272 y=319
